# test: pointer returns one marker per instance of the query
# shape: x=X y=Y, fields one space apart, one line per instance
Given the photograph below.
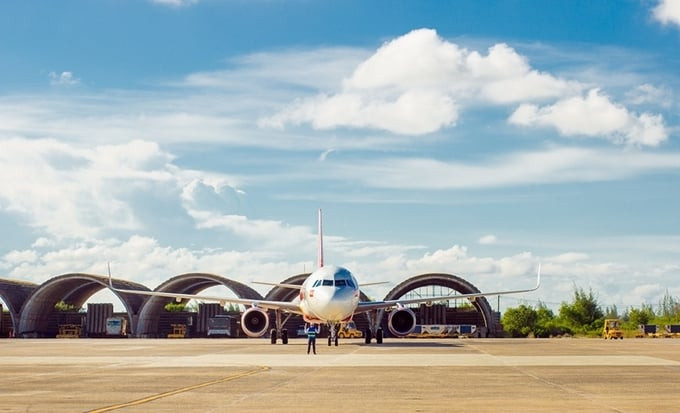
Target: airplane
x=330 y=295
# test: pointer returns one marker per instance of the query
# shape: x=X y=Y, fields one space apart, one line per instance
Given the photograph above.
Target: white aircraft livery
x=329 y=296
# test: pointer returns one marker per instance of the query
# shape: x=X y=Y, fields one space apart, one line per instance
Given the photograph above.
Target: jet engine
x=402 y=321
x=254 y=322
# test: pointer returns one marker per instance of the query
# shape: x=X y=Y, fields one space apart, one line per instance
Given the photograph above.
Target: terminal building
x=54 y=308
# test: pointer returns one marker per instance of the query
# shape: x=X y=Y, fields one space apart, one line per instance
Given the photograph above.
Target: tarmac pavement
x=401 y=375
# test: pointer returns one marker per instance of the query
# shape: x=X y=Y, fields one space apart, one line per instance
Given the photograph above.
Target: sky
x=477 y=138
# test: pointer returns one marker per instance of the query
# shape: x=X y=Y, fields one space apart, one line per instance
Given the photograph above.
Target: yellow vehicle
x=349 y=330
x=612 y=329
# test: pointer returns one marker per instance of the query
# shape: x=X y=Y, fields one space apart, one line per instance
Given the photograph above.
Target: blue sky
x=475 y=138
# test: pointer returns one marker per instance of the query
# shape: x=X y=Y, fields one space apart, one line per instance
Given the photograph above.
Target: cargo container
x=97 y=314
x=116 y=327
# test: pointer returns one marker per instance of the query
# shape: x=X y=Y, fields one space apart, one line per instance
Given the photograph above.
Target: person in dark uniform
x=311 y=331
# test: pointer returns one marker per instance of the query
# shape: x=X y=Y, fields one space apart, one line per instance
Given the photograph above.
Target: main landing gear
x=275 y=334
x=279 y=331
x=368 y=335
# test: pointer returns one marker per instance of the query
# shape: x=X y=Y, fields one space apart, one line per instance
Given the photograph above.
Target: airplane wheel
x=336 y=341
x=284 y=336
x=273 y=336
x=368 y=336
x=329 y=341
x=379 y=336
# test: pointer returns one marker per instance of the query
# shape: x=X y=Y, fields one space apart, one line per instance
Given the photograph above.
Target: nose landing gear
x=333 y=334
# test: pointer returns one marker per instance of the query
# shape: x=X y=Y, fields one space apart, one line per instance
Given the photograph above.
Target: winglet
x=108 y=265
x=538 y=277
x=320 y=243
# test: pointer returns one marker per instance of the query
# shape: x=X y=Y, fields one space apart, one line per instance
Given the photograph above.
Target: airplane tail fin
x=320 y=243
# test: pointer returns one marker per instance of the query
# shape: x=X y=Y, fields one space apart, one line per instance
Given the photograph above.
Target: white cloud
x=175 y=3
x=488 y=240
x=316 y=69
x=650 y=94
x=569 y=258
x=594 y=115
x=69 y=191
x=268 y=233
x=504 y=76
x=19 y=257
x=554 y=165
x=399 y=114
x=667 y=12
x=42 y=242
x=63 y=79
x=416 y=84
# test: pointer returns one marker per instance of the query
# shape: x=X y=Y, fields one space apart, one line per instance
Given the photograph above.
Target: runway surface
x=228 y=375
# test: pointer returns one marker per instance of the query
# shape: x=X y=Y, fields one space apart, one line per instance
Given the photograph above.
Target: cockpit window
x=340 y=283
x=328 y=283
x=316 y=283
x=351 y=284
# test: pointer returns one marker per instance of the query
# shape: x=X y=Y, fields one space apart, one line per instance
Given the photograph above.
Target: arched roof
x=446 y=280
x=191 y=283
x=74 y=289
x=14 y=294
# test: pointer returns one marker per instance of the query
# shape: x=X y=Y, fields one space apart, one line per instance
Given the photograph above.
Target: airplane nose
x=338 y=304
x=343 y=294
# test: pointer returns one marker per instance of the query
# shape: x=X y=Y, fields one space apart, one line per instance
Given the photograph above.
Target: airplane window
x=340 y=283
x=328 y=283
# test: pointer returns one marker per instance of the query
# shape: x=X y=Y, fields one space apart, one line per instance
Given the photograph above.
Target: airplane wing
x=285 y=306
x=291 y=286
x=376 y=305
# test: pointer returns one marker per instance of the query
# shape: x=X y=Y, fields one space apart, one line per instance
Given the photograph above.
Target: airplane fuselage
x=329 y=295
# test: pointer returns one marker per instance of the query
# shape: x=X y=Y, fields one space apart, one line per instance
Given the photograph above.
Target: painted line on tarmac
x=180 y=390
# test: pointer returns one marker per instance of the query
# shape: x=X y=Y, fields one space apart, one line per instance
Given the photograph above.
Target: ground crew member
x=311 y=331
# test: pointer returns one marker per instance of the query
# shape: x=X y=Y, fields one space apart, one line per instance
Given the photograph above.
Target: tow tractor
x=349 y=330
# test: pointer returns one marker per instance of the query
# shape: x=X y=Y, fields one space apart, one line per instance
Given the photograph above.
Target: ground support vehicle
x=612 y=329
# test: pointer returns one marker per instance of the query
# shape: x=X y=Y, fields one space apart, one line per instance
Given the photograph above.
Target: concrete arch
x=14 y=294
x=451 y=281
x=191 y=283
x=74 y=289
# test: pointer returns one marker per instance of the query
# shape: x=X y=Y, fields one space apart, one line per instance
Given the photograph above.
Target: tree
x=583 y=314
x=611 y=312
x=173 y=307
x=642 y=315
x=669 y=308
x=546 y=324
x=520 y=321
x=64 y=307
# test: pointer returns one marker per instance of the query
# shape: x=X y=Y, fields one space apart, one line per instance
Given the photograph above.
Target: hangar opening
x=60 y=300
x=13 y=295
x=156 y=321
x=447 y=318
